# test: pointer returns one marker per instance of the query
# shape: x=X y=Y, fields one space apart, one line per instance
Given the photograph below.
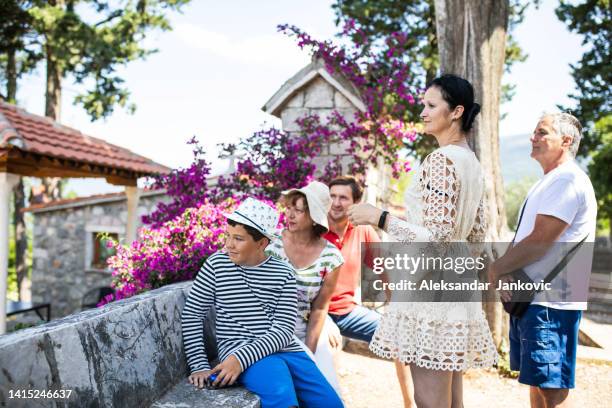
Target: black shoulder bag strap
x=564 y=261
x=522 y=298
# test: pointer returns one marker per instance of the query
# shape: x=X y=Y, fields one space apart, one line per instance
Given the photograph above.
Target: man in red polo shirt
x=353 y=320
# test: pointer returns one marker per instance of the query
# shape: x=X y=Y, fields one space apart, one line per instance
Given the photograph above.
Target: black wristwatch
x=382 y=219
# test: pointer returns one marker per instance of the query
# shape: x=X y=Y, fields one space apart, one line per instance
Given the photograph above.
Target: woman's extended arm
x=440 y=188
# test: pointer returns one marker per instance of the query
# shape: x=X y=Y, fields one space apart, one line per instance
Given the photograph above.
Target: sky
x=224 y=60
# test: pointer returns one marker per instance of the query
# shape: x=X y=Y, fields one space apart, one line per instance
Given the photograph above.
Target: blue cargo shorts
x=543 y=344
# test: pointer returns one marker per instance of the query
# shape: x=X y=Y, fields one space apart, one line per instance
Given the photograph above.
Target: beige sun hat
x=318 y=199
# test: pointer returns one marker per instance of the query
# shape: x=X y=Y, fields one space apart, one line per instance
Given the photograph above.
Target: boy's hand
x=227 y=372
x=200 y=378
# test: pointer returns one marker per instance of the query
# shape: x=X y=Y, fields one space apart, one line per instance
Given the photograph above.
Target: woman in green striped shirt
x=316 y=262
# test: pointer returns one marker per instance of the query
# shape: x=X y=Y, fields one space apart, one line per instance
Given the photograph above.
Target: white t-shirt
x=566 y=193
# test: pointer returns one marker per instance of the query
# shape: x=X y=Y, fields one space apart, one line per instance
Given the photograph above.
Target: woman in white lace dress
x=444 y=204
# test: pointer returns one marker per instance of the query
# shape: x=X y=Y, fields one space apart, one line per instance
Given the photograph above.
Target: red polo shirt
x=343 y=298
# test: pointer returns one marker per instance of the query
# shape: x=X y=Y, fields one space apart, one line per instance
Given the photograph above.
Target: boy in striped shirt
x=255 y=301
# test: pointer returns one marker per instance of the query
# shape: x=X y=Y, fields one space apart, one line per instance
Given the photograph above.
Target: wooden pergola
x=36 y=146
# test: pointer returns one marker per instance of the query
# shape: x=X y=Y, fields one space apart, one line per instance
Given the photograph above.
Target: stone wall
x=126 y=354
x=321 y=98
x=62 y=245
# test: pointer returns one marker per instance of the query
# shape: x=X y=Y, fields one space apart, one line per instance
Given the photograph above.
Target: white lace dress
x=444 y=203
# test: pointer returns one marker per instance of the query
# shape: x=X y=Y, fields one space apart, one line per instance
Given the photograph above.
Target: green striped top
x=309 y=279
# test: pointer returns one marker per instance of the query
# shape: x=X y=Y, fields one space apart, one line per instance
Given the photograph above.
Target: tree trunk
x=21 y=239
x=471 y=43
x=53 y=105
x=53 y=96
x=11 y=77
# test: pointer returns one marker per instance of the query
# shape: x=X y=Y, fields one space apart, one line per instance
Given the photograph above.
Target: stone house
x=313 y=90
x=36 y=146
x=69 y=257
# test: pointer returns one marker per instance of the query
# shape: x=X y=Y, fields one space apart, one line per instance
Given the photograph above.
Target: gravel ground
x=371 y=383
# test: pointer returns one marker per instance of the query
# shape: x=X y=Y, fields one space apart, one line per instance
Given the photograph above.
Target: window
x=100 y=250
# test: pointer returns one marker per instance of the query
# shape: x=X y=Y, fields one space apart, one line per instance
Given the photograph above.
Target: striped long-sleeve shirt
x=255 y=307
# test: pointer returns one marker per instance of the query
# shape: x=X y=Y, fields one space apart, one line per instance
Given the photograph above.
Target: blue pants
x=360 y=323
x=290 y=379
x=543 y=344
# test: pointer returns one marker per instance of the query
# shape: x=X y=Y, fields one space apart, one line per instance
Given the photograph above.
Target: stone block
x=186 y=395
x=39 y=263
x=41 y=219
x=348 y=114
x=62 y=234
x=70 y=226
x=339 y=148
x=289 y=116
x=340 y=101
x=106 y=220
x=324 y=150
x=346 y=162
x=319 y=94
x=320 y=162
x=297 y=101
x=141 y=211
x=39 y=254
x=324 y=114
x=97 y=211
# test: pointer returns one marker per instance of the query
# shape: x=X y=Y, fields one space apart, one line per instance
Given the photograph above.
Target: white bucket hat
x=258 y=215
x=318 y=199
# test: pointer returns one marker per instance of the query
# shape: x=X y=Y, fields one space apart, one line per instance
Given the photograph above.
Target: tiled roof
x=89 y=200
x=43 y=136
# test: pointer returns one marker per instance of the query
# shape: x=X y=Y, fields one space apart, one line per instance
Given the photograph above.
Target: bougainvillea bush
x=382 y=77
x=186 y=230
x=171 y=252
x=187 y=188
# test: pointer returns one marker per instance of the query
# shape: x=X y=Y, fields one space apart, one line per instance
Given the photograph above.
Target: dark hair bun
x=458 y=91
x=468 y=119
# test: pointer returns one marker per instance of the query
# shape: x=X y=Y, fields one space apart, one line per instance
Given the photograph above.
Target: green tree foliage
x=593 y=73
x=19 y=53
x=376 y=20
x=89 y=40
x=599 y=170
x=516 y=192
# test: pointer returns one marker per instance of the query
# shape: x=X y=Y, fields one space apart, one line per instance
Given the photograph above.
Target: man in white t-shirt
x=560 y=208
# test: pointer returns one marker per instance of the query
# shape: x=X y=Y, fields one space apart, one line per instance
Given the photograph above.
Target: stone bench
x=185 y=395
x=126 y=354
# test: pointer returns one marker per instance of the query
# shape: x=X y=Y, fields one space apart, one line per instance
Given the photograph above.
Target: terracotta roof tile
x=85 y=200
x=41 y=135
